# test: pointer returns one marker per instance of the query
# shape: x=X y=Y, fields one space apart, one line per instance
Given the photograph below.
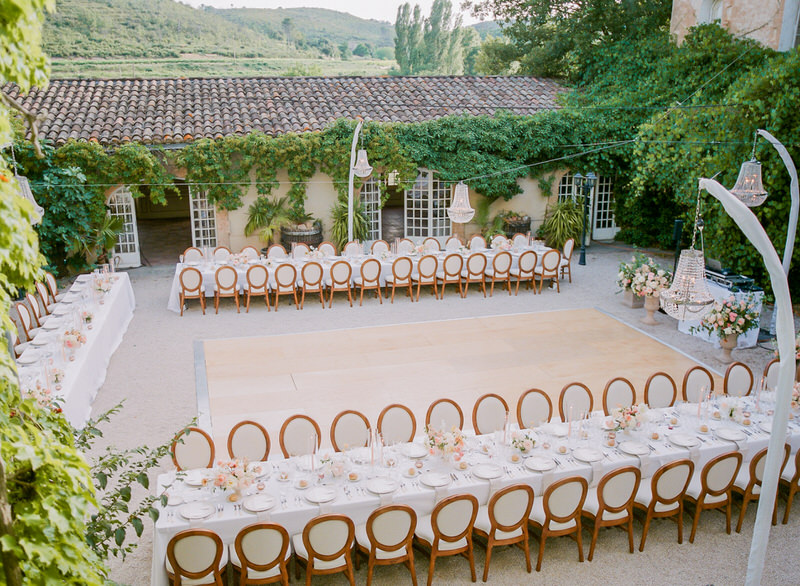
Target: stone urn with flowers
x=648 y=281
x=729 y=319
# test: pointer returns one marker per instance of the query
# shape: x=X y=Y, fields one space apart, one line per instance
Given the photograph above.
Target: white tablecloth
x=208 y=269
x=84 y=376
x=353 y=499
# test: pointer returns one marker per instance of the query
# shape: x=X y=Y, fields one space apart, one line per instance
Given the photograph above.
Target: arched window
x=710 y=11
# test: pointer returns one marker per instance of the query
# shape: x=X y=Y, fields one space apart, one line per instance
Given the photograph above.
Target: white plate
x=765 y=426
x=258 y=503
x=299 y=486
x=684 y=440
x=587 y=454
x=734 y=435
x=382 y=485
x=29 y=357
x=61 y=310
x=265 y=469
x=320 y=494
x=414 y=451
x=174 y=500
x=634 y=448
x=540 y=463
x=556 y=429
x=196 y=510
x=42 y=341
x=195 y=477
x=487 y=471
x=53 y=324
x=435 y=479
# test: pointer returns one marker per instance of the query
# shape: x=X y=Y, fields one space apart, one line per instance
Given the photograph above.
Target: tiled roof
x=175 y=111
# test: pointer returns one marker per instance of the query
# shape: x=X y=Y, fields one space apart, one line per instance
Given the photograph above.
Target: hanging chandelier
x=25 y=187
x=460 y=211
x=362 y=168
x=749 y=188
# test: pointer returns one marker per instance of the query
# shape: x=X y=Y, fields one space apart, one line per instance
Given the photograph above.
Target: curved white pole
x=350 y=182
x=749 y=224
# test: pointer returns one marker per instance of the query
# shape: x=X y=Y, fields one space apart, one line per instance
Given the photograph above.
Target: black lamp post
x=586 y=184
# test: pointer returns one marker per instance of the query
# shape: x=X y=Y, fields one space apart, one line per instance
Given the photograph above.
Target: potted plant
x=562 y=221
x=266 y=217
x=649 y=280
x=729 y=319
x=627 y=270
x=339 y=223
x=94 y=246
x=515 y=223
x=302 y=227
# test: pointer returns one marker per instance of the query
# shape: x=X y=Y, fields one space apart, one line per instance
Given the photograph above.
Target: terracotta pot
x=651 y=305
x=728 y=343
x=631 y=300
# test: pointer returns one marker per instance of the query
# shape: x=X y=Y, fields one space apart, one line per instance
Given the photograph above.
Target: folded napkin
x=386 y=499
x=547 y=478
x=744 y=448
x=441 y=492
x=495 y=484
x=597 y=473
x=645 y=466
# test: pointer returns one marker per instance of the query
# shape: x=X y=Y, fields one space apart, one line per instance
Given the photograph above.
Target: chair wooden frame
x=52 y=287
x=603 y=507
x=340 y=285
x=221 y=291
x=438 y=536
x=749 y=493
x=26 y=320
x=285 y=287
x=521 y=274
x=300 y=250
x=287 y=423
x=375 y=544
x=177 y=439
x=689 y=373
x=478 y=403
x=212 y=569
x=562 y=410
x=474 y=274
x=370 y=284
x=311 y=285
x=619 y=379
x=649 y=383
x=335 y=423
x=277 y=251
x=676 y=514
x=38 y=315
x=549 y=269
x=382 y=246
x=193 y=254
x=453 y=243
x=479 y=239
x=447 y=277
x=700 y=502
x=793 y=485
x=521 y=402
x=574 y=532
x=192 y=292
x=248 y=565
x=257 y=288
x=249 y=423
x=327 y=246
x=401 y=279
x=771 y=367
x=408 y=411
x=405 y=245
x=440 y=402
x=352 y=248
x=347 y=568
x=519 y=239
x=737 y=365
x=43 y=290
x=499 y=275
x=427 y=278
x=251 y=252
x=566 y=258
x=431 y=243
x=221 y=253
x=520 y=541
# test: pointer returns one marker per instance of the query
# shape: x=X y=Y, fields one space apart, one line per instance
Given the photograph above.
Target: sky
x=385 y=10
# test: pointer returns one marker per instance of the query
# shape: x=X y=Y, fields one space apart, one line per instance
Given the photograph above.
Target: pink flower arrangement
x=730 y=316
x=649 y=280
x=234 y=474
x=522 y=441
x=73 y=339
x=629 y=417
x=796 y=396
x=445 y=443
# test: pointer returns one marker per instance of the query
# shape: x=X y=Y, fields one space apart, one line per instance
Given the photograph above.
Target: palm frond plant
x=562 y=222
x=267 y=217
x=339 y=225
x=97 y=242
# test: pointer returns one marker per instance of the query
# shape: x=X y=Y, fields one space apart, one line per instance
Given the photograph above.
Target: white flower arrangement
x=629 y=417
x=445 y=443
x=235 y=475
x=522 y=441
x=649 y=280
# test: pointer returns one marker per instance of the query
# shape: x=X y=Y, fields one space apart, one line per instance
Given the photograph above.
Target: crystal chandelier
x=25 y=187
x=460 y=211
x=749 y=189
x=362 y=168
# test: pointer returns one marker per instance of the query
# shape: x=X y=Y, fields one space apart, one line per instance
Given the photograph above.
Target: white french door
x=604 y=227
x=204 y=219
x=371 y=203
x=121 y=205
x=426 y=206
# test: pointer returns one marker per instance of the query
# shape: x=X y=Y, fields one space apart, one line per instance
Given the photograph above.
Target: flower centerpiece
x=501 y=245
x=57 y=377
x=329 y=465
x=315 y=253
x=796 y=396
x=522 y=441
x=87 y=317
x=235 y=475
x=238 y=258
x=628 y=418
x=729 y=319
x=648 y=281
x=627 y=270
x=102 y=285
x=72 y=340
x=446 y=444
x=732 y=408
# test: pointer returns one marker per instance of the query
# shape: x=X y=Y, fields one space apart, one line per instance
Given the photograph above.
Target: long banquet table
x=112 y=311
x=208 y=269
x=489 y=467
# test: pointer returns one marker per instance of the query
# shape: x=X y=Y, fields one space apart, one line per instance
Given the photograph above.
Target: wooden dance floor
x=269 y=378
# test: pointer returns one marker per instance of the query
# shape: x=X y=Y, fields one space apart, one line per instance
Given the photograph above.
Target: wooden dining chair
x=489 y=414
x=549 y=269
x=519 y=240
x=221 y=253
x=192 y=254
x=300 y=250
x=712 y=490
x=619 y=392
x=477 y=242
x=771 y=374
x=44 y=291
x=558 y=513
x=790 y=479
x=448 y=530
x=26 y=321
x=52 y=288
x=404 y=246
x=451 y=272
x=260 y=555
x=660 y=391
x=396 y=424
x=453 y=243
x=19 y=347
x=504 y=521
x=662 y=497
x=192 y=448
x=295 y=435
x=444 y=412
x=379 y=247
x=276 y=252
x=386 y=539
x=227 y=280
x=426 y=274
x=285 y=283
x=250 y=252
x=196 y=556
x=748 y=482
x=191 y=281
x=498 y=240
x=610 y=504
x=249 y=439
x=566 y=258
x=500 y=271
x=353 y=248
x=257 y=277
x=370 y=279
x=534 y=408
x=576 y=395
x=738 y=381
x=696 y=382
x=311 y=282
x=525 y=270
x=39 y=317
x=324 y=547
x=401 y=276
x=474 y=272
x=431 y=244
x=350 y=429
x=327 y=248
x=340 y=278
